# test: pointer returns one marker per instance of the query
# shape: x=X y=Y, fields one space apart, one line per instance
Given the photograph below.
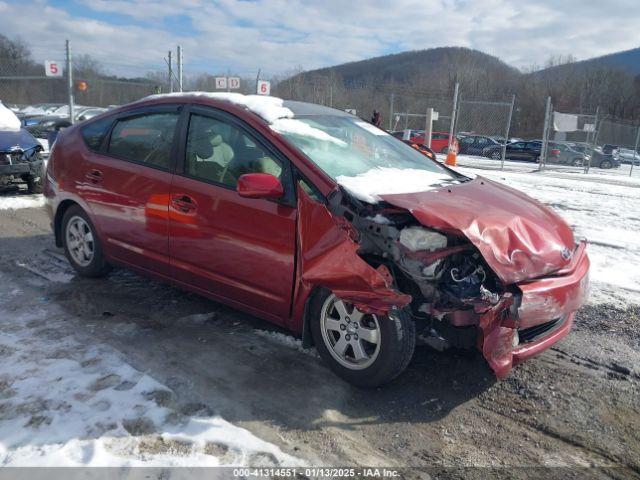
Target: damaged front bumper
x=516 y=329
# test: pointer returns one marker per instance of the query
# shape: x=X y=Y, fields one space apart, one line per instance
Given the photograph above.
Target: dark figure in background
x=376 y=119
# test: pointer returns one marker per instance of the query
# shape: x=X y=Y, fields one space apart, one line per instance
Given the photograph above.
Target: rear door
x=127 y=186
x=236 y=249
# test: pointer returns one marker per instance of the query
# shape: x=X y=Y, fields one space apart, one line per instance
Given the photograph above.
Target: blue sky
x=281 y=36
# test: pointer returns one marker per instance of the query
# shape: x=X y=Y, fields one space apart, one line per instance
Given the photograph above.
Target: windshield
x=348 y=146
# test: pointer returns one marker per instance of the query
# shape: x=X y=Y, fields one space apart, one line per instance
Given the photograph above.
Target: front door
x=127 y=187
x=236 y=249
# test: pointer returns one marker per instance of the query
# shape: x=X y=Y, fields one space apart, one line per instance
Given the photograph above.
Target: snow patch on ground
x=8 y=120
x=371 y=185
x=15 y=203
x=67 y=402
x=287 y=341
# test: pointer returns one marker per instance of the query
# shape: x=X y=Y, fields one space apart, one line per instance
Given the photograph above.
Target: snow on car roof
x=269 y=108
x=8 y=120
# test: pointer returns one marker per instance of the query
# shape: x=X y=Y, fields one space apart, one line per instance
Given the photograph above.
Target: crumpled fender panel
x=327 y=257
x=519 y=237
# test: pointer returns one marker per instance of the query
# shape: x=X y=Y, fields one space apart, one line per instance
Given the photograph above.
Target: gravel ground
x=572 y=412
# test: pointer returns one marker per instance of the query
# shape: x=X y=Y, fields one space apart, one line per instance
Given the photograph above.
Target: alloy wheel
x=80 y=241
x=351 y=336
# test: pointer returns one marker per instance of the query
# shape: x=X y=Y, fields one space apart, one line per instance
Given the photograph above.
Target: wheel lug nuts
x=342 y=327
x=347 y=337
x=355 y=336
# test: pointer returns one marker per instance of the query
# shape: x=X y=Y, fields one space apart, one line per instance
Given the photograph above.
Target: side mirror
x=259 y=185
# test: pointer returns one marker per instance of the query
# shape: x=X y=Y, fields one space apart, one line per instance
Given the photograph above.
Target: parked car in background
x=566 y=154
x=476 y=144
x=439 y=140
x=279 y=208
x=41 y=127
x=628 y=155
x=20 y=154
x=525 y=150
x=605 y=156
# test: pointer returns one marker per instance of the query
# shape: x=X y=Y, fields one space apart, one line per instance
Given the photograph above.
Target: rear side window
x=94 y=133
x=145 y=139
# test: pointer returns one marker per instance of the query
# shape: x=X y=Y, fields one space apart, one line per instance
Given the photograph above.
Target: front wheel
x=606 y=164
x=82 y=245
x=496 y=155
x=364 y=349
x=34 y=184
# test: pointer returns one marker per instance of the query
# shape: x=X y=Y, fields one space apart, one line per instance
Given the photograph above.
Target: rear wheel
x=364 y=349
x=577 y=162
x=606 y=164
x=496 y=155
x=445 y=150
x=81 y=244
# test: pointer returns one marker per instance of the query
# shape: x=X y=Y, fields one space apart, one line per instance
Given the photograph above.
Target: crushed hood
x=519 y=237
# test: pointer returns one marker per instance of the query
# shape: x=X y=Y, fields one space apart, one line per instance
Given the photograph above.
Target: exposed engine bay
x=448 y=280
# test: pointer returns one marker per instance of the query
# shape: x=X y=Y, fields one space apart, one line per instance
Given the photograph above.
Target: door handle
x=184 y=203
x=94 y=176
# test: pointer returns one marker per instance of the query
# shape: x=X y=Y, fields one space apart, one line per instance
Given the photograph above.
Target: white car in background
x=627 y=155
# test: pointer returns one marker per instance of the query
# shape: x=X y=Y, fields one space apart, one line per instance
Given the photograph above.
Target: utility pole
x=70 y=80
x=428 y=127
x=454 y=115
x=257 y=80
x=635 y=151
x=170 y=63
x=545 y=135
x=596 y=131
x=179 y=61
x=391 y=111
x=506 y=133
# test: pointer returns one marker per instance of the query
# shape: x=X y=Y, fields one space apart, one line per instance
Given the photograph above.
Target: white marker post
x=264 y=87
x=221 y=83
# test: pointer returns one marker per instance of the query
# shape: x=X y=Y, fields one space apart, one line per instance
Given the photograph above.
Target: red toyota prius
x=317 y=221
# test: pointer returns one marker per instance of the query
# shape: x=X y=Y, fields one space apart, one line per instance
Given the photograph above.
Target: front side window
x=145 y=139
x=94 y=133
x=220 y=152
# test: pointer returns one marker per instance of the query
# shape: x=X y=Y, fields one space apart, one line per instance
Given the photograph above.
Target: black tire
x=98 y=266
x=496 y=155
x=577 y=162
x=397 y=343
x=445 y=150
x=606 y=164
x=34 y=184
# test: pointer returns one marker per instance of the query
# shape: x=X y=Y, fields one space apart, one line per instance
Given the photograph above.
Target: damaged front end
x=457 y=285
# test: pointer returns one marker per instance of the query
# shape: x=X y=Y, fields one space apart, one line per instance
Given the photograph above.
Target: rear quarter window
x=95 y=132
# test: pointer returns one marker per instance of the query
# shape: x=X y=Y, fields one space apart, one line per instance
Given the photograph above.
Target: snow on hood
x=269 y=108
x=8 y=120
x=371 y=185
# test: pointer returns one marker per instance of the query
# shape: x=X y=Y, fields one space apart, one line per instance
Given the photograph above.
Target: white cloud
x=278 y=35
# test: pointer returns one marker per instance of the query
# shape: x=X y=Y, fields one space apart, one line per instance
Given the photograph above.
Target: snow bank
x=16 y=203
x=72 y=401
x=371 y=185
x=269 y=108
x=8 y=120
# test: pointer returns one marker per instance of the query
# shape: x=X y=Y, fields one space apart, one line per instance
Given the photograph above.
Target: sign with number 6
x=52 y=68
x=264 y=87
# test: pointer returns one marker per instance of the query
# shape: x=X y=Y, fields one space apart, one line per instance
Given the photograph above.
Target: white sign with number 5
x=52 y=68
x=264 y=87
